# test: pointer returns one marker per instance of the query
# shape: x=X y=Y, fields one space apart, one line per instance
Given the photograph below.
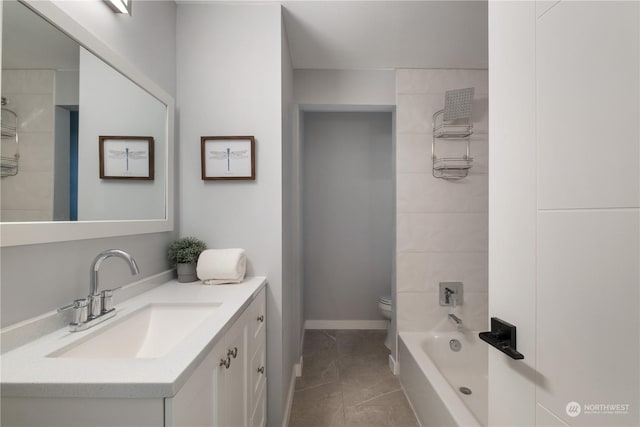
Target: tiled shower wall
x=442 y=232
x=28 y=196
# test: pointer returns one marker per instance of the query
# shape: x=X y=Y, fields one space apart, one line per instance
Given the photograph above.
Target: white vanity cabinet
x=228 y=388
x=218 y=371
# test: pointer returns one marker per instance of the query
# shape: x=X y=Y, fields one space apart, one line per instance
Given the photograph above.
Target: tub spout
x=456 y=321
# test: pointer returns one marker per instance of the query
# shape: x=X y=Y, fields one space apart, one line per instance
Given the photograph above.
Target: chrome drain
x=455 y=345
x=465 y=390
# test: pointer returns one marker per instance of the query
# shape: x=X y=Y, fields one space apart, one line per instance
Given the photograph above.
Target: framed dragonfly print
x=228 y=157
x=126 y=157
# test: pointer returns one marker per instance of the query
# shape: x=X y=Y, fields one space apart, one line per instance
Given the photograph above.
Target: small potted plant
x=184 y=253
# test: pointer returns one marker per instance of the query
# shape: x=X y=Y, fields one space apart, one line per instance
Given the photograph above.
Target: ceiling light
x=120 y=6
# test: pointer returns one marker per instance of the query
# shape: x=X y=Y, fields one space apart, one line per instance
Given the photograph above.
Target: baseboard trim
x=393 y=365
x=289 y=404
x=345 y=324
x=298 y=367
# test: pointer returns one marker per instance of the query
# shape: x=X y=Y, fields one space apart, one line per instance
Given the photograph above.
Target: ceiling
x=30 y=42
x=348 y=34
x=387 y=34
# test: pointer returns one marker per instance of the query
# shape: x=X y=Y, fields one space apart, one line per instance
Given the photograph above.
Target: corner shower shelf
x=456 y=167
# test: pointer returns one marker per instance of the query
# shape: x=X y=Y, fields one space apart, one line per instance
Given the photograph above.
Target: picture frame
x=126 y=157
x=228 y=158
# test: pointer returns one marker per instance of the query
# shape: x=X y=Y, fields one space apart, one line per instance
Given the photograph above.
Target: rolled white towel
x=218 y=266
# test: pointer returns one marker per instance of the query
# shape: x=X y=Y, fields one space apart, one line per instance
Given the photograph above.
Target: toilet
x=384 y=305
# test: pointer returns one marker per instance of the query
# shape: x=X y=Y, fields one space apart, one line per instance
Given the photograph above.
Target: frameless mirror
x=62 y=92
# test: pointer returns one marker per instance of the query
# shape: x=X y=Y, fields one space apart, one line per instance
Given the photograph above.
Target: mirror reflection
x=58 y=99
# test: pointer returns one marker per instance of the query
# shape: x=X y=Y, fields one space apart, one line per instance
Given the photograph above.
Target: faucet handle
x=80 y=309
x=107 y=299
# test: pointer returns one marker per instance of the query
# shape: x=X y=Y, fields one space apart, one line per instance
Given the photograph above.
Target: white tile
x=474 y=311
x=544 y=418
x=542 y=6
x=413 y=152
x=27 y=81
x=588 y=110
x=36 y=152
x=480 y=113
x=588 y=312
x=35 y=112
x=480 y=154
x=423 y=312
x=422 y=193
x=27 y=191
x=422 y=272
x=414 y=112
x=440 y=81
x=419 y=311
x=441 y=232
x=21 y=216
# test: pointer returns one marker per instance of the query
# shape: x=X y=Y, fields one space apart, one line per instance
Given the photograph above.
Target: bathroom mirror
x=68 y=89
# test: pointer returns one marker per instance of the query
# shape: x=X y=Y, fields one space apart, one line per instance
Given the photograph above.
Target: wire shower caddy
x=9 y=125
x=451 y=124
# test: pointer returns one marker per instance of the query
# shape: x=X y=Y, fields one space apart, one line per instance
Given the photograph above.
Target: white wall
x=62 y=274
x=567 y=228
x=441 y=225
x=230 y=82
x=146 y=38
x=512 y=207
x=314 y=88
x=67 y=87
x=111 y=104
x=588 y=208
x=292 y=313
x=348 y=214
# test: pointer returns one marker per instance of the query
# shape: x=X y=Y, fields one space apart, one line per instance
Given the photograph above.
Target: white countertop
x=27 y=371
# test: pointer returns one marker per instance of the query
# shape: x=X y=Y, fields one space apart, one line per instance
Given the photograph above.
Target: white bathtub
x=432 y=374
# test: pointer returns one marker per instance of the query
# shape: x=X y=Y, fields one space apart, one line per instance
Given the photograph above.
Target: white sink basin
x=149 y=332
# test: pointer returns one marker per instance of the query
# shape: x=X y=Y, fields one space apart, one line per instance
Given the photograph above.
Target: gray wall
x=347 y=214
x=111 y=104
x=39 y=278
x=61 y=165
x=292 y=316
x=231 y=81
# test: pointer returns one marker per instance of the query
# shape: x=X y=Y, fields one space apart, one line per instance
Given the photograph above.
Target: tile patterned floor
x=346 y=382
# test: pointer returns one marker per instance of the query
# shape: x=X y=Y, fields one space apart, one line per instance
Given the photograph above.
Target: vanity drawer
x=259 y=417
x=257 y=323
x=257 y=376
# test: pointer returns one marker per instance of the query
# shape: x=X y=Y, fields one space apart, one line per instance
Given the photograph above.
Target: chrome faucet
x=98 y=306
x=450 y=297
x=97 y=299
x=456 y=321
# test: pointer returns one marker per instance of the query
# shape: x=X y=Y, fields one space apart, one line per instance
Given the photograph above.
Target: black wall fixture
x=503 y=337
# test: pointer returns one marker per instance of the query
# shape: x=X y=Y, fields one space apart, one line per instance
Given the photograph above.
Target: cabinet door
x=196 y=402
x=233 y=398
x=256 y=322
x=257 y=377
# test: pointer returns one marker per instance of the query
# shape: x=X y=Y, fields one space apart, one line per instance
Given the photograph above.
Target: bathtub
x=431 y=375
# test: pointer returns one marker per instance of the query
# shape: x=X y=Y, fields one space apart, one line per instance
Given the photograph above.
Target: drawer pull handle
x=261 y=318
x=233 y=353
x=261 y=370
x=225 y=362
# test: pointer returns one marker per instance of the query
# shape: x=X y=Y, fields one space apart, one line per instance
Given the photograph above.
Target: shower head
x=457 y=104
